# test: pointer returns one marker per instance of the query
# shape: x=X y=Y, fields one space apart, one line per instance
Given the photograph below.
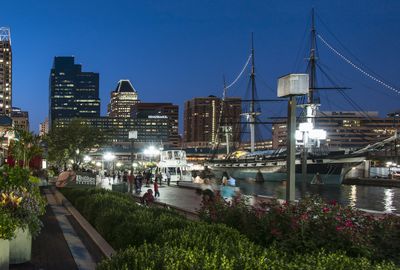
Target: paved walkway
x=49 y=249
x=58 y=245
x=173 y=195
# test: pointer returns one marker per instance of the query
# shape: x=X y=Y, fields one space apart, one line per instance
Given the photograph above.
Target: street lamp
x=151 y=151
x=108 y=156
x=290 y=86
x=87 y=159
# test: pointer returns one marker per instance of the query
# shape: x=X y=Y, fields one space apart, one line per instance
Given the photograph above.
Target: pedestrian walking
x=130 y=180
x=168 y=177
x=138 y=180
x=156 y=192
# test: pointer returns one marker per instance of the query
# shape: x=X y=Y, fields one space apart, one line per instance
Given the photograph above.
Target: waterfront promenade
x=186 y=199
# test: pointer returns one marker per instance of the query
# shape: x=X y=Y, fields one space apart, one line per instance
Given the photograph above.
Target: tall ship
x=315 y=163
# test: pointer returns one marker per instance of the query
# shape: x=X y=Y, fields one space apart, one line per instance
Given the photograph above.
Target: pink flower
x=339 y=228
x=348 y=223
x=333 y=202
x=304 y=217
x=325 y=209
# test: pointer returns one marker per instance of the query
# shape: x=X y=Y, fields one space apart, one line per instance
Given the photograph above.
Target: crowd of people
x=136 y=181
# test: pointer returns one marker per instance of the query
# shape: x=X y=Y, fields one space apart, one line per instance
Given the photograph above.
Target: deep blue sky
x=173 y=51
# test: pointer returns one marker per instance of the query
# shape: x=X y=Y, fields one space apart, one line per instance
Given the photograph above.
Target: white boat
x=174 y=162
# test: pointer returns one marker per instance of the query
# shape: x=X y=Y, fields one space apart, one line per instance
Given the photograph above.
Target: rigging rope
x=357 y=67
x=241 y=73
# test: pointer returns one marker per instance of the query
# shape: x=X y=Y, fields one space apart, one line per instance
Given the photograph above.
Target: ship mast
x=252 y=114
x=312 y=104
x=312 y=72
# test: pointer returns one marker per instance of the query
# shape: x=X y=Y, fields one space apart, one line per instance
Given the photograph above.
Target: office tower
x=123 y=98
x=157 y=122
x=5 y=72
x=204 y=125
x=20 y=119
x=73 y=93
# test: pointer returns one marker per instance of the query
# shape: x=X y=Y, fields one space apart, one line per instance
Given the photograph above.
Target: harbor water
x=364 y=197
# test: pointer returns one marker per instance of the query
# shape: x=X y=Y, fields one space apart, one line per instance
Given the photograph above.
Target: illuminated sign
x=157 y=117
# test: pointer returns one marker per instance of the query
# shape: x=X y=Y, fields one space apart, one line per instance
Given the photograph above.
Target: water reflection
x=353 y=196
x=389 y=200
x=364 y=197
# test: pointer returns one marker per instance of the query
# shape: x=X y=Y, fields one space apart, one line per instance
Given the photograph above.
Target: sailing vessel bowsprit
x=331 y=167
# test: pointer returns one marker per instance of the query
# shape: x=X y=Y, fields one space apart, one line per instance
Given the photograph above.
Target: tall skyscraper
x=5 y=72
x=122 y=100
x=73 y=93
x=203 y=121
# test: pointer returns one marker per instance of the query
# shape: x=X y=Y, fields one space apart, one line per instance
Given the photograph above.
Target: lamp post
x=151 y=152
x=292 y=85
x=133 y=134
x=108 y=156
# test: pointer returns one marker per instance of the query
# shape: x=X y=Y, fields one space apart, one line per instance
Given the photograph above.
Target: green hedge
x=154 y=238
x=177 y=257
x=120 y=220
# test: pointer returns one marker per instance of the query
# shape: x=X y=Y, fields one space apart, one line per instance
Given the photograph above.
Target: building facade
x=345 y=130
x=204 y=124
x=20 y=119
x=44 y=127
x=73 y=93
x=157 y=120
x=151 y=131
x=122 y=100
x=5 y=72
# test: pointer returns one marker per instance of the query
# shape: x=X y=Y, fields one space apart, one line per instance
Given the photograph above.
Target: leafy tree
x=25 y=146
x=72 y=141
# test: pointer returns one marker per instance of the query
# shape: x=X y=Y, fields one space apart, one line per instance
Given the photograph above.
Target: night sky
x=173 y=51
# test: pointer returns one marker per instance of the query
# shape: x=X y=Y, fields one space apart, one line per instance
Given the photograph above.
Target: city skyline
x=177 y=51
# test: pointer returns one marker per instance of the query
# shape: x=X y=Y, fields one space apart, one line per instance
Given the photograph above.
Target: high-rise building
x=345 y=129
x=20 y=119
x=204 y=125
x=149 y=115
x=44 y=127
x=122 y=100
x=5 y=72
x=73 y=93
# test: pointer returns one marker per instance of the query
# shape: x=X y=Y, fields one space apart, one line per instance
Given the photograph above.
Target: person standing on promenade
x=147 y=177
x=138 y=180
x=168 y=177
x=225 y=178
x=130 y=180
x=156 y=192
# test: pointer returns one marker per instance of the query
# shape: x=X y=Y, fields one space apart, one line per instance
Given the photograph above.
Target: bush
x=154 y=238
x=176 y=257
x=310 y=225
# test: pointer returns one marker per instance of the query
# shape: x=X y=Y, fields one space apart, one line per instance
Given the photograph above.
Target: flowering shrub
x=154 y=238
x=310 y=225
x=20 y=201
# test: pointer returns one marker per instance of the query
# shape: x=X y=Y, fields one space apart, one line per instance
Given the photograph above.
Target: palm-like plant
x=25 y=146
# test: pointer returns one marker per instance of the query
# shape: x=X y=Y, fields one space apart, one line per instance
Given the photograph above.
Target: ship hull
x=331 y=171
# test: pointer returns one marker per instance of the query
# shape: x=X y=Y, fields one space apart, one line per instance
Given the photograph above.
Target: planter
x=121 y=187
x=4 y=254
x=21 y=246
